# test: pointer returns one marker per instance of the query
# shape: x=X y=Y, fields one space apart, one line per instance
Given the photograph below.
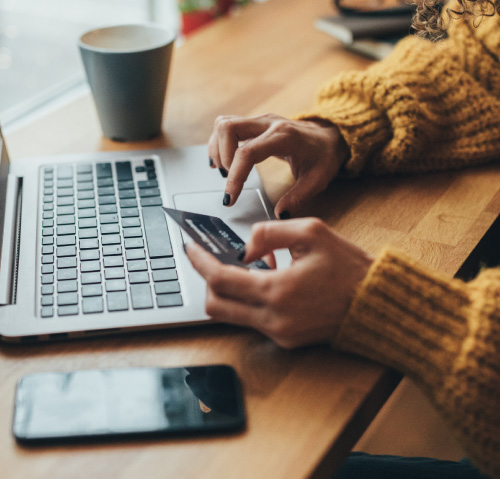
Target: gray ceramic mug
x=127 y=69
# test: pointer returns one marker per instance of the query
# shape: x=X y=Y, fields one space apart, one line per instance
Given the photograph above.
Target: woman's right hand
x=315 y=151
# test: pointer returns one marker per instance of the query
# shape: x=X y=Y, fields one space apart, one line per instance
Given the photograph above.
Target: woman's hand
x=299 y=305
x=315 y=151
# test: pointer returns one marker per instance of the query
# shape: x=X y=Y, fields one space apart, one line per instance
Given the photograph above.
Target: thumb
x=293 y=200
x=271 y=235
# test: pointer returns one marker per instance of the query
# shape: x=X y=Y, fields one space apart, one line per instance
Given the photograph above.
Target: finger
x=213 y=151
x=231 y=282
x=231 y=311
x=245 y=157
x=297 y=234
x=230 y=130
x=293 y=200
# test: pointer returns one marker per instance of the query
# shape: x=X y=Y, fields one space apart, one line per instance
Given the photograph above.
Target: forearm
x=427 y=107
x=443 y=333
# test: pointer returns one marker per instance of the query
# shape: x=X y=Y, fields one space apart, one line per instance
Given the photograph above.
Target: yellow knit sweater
x=427 y=107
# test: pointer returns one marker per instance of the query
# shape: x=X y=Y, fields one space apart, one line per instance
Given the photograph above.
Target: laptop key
x=87 y=223
x=115 y=285
x=137 y=265
x=65 y=201
x=64 y=171
x=169 y=300
x=135 y=254
x=113 y=261
x=85 y=168
x=103 y=170
x=87 y=213
x=114 y=273
x=130 y=222
x=47 y=240
x=66 y=230
x=162 y=263
x=128 y=203
x=65 y=299
x=107 y=200
x=63 y=251
x=167 y=287
x=85 y=186
x=69 y=262
x=47 y=223
x=89 y=254
x=156 y=231
x=132 y=233
x=91 y=278
x=147 y=192
x=86 y=194
x=67 y=286
x=141 y=296
x=66 y=240
x=47 y=268
x=92 y=305
x=87 y=233
x=66 y=273
x=47 y=312
x=67 y=310
x=91 y=243
x=65 y=183
x=151 y=201
x=117 y=301
x=47 y=259
x=125 y=185
x=91 y=290
x=65 y=191
x=147 y=184
x=106 y=190
x=65 y=220
x=107 y=219
x=82 y=204
x=123 y=170
x=106 y=209
x=48 y=300
x=84 y=177
x=66 y=210
x=129 y=212
x=48 y=289
x=111 y=239
x=47 y=215
x=138 y=277
x=122 y=194
x=47 y=249
x=110 y=229
x=105 y=182
x=90 y=266
x=47 y=231
x=132 y=243
x=164 y=275
x=112 y=250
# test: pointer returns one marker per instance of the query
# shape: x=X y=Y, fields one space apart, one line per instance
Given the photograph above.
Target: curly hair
x=429 y=21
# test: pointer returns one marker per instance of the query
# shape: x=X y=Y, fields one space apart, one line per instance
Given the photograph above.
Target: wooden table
x=306 y=408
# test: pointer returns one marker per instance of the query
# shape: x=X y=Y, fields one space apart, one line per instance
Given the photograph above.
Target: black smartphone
x=129 y=402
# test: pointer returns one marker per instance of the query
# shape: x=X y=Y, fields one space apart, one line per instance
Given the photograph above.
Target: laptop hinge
x=10 y=245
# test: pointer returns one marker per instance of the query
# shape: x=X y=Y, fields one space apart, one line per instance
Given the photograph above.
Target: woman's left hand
x=299 y=305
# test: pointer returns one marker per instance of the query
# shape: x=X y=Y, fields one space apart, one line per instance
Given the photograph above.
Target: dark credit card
x=215 y=236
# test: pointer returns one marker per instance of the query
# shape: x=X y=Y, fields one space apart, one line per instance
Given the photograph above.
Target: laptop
x=86 y=248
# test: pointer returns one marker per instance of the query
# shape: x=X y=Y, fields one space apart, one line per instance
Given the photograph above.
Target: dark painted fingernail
x=284 y=215
x=227 y=199
x=223 y=172
x=211 y=162
x=242 y=254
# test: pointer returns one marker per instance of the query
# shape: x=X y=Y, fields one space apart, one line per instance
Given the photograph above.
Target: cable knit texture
x=429 y=106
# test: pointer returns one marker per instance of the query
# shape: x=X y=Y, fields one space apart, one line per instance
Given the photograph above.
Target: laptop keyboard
x=105 y=241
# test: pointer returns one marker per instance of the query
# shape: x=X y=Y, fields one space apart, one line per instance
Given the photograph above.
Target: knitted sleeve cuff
x=408 y=318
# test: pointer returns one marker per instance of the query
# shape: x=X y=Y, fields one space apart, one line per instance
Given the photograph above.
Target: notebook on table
x=86 y=247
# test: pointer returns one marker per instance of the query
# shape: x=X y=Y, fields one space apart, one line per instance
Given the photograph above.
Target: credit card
x=214 y=236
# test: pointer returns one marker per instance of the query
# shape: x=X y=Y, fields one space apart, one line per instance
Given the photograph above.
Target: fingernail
x=211 y=162
x=223 y=172
x=242 y=254
x=284 y=215
x=227 y=199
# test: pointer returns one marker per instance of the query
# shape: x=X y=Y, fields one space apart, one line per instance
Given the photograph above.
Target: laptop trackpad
x=249 y=208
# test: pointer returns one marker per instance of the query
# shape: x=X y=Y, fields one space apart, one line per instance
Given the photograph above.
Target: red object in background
x=223 y=6
x=193 y=20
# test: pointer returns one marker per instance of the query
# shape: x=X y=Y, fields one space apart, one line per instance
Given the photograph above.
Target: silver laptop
x=86 y=248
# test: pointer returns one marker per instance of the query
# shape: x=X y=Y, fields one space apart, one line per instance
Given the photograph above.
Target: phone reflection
x=127 y=401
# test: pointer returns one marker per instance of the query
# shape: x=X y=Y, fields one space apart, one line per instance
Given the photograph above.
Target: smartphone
x=130 y=402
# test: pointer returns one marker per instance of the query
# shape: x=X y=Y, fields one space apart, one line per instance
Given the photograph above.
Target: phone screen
x=132 y=401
